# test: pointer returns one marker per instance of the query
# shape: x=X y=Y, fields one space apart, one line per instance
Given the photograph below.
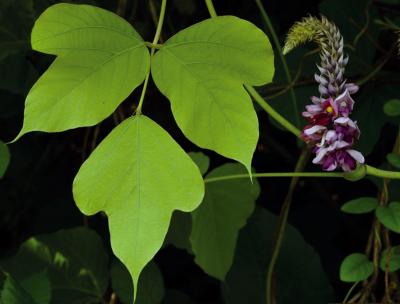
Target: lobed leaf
x=202 y=70
x=101 y=60
x=138 y=176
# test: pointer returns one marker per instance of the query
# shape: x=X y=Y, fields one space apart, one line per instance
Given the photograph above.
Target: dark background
x=35 y=194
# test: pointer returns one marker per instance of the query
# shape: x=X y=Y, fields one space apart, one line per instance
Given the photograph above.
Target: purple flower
x=345 y=103
x=335 y=148
x=336 y=155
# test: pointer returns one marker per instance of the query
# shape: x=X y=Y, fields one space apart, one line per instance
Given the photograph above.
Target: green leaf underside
x=202 y=70
x=360 y=205
x=150 y=289
x=390 y=259
x=4 y=158
x=356 y=267
x=101 y=60
x=216 y=223
x=78 y=276
x=138 y=176
x=389 y=216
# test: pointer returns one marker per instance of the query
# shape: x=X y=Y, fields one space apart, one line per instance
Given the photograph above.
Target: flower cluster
x=330 y=130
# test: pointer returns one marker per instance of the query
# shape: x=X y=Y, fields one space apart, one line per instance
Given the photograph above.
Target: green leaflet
x=138 y=175
x=390 y=259
x=101 y=60
x=74 y=261
x=360 y=205
x=202 y=70
x=392 y=107
x=216 y=223
x=389 y=216
x=356 y=267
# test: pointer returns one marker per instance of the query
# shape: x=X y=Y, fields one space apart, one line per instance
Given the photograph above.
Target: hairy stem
x=285 y=66
x=153 y=46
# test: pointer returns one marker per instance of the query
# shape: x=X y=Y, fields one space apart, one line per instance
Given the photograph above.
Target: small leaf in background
x=202 y=70
x=216 y=223
x=4 y=158
x=392 y=107
x=151 y=284
x=75 y=261
x=138 y=176
x=390 y=258
x=13 y=293
x=389 y=216
x=201 y=160
x=360 y=205
x=101 y=60
x=299 y=275
x=394 y=159
x=356 y=267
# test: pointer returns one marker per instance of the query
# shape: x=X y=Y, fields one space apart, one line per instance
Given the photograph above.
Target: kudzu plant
x=138 y=175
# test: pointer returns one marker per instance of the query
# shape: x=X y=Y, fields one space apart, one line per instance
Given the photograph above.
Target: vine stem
x=369 y=171
x=154 y=45
x=285 y=66
x=272 y=112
